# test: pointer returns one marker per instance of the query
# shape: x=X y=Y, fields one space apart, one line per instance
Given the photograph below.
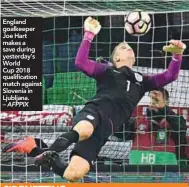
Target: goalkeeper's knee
x=85 y=129
x=77 y=169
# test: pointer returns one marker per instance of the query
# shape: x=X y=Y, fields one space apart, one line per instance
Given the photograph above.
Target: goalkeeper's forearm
x=82 y=62
x=170 y=75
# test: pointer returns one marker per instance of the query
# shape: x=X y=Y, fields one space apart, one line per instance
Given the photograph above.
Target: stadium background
x=64 y=87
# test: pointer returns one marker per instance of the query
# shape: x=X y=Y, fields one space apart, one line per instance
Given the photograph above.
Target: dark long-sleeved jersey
x=120 y=89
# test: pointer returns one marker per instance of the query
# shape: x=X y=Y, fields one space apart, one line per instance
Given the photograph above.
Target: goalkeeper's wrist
x=89 y=36
x=177 y=57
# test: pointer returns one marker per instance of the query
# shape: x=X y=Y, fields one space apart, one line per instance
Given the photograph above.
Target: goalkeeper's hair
x=112 y=55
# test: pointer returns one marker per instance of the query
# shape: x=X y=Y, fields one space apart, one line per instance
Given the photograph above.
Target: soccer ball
x=137 y=23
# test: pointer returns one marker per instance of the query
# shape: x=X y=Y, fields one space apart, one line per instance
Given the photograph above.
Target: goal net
x=65 y=90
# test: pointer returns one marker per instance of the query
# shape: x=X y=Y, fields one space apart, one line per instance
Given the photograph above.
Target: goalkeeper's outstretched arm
x=159 y=80
x=82 y=62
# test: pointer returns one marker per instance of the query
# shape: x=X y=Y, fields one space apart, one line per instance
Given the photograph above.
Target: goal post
x=88 y=7
x=65 y=90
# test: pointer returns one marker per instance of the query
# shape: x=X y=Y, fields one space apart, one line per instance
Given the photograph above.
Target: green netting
x=72 y=79
x=43 y=90
x=73 y=88
x=83 y=7
x=150 y=5
x=105 y=177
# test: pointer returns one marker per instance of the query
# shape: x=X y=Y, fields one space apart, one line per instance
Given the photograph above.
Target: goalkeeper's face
x=123 y=55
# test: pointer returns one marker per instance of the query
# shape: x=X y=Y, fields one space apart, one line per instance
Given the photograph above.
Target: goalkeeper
x=119 y=89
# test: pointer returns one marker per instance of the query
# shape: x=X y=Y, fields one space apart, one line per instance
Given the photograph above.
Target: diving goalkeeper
x=119 y=89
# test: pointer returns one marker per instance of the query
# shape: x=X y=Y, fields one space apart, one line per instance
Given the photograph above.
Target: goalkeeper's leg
x=85 y=152
x=83 y=157
x=81 y=131
x=75 y=170
x=84 y=124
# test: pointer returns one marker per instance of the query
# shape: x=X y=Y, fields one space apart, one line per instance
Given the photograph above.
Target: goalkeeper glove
x=92 y=25
x=175 y=47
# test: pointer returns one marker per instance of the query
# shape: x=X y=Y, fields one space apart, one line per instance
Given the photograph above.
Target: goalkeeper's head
x=123 y=55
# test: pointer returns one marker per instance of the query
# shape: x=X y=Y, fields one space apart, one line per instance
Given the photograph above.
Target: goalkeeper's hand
x=175 y=47
x=92 y=25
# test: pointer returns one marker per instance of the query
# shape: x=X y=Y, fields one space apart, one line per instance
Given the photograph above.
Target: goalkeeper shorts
x=90 y=148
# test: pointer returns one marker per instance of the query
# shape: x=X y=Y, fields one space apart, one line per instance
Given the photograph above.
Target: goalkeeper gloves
x=175 y=47
x=92 y=25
